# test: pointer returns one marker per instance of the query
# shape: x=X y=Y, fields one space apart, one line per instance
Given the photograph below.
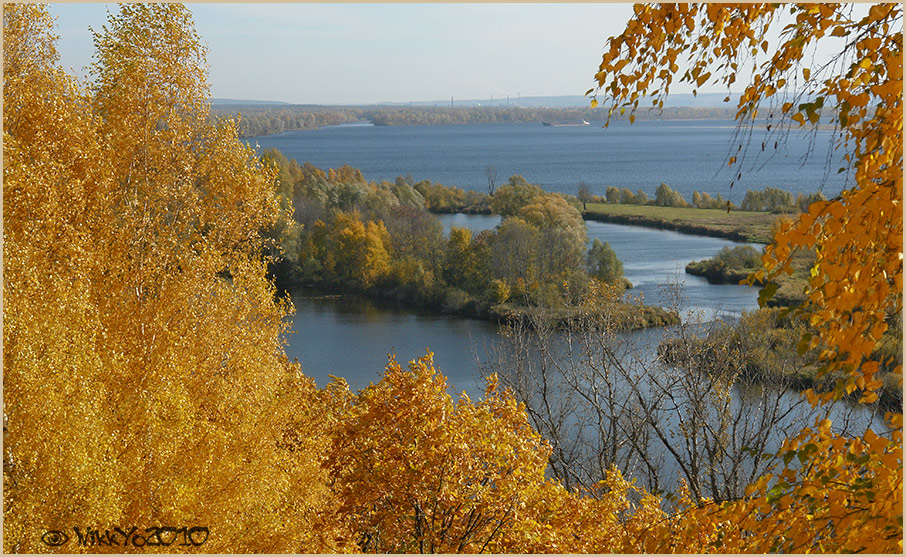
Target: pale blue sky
x=370 y=53
x=366 y=53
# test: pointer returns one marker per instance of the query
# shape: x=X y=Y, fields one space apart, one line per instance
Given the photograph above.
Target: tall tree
x=490 y=173
x=517 y=193
x=584 y=195
x=603 y=263
x=843 y=497
x=417 y=472
x=143 y=378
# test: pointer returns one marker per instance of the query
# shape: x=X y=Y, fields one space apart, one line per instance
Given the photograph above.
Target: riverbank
x=767 y=344
x=736 y=265
x=263 y=120
x=739 y=226
x=631 y=316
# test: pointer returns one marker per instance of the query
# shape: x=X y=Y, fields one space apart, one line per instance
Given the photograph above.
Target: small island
x=381 y=241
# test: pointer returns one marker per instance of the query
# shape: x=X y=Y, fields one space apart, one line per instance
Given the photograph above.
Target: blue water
x=352 y=338
x=687 y=155
x=655 y=262
x=324 y=327
x=349 y=337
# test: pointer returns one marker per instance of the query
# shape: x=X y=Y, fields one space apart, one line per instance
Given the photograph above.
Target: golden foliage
x=846 y=495
x=143 y=359
x=416 y=472
x=144 y=377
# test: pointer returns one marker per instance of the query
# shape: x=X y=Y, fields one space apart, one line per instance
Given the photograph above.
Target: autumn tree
x=626 y=196
x=514 y=195
x=460 y=266
x=514 y=252
x=412 y=475
x=143 y=377
x=416 y=471
x=847 y=493
x=416 y=233
x=360 y=248
x=705 y=201
x=665 y=196
x=554 y=211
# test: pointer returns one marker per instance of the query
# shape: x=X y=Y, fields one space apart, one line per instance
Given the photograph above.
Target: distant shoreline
x=261 y=121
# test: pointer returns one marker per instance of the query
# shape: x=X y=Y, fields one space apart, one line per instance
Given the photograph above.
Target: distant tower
x=451 y=101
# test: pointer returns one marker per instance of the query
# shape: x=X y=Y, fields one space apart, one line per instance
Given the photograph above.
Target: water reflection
x=475 y=223
x=350 y=337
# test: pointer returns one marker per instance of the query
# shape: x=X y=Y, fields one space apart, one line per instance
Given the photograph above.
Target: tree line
x=770 y=199
x=257 y=121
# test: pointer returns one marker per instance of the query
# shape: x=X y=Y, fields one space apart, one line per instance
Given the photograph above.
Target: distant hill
x=704 y=100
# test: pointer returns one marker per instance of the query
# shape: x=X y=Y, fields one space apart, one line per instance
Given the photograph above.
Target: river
x=686 y=154
x=352 y=338
x=326 y=327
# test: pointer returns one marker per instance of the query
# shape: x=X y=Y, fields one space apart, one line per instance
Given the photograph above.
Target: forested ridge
x=146 y=388
x=257 y=121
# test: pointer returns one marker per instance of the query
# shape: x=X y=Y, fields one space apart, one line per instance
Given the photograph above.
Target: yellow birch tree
x=144 y=378
x=846 y=494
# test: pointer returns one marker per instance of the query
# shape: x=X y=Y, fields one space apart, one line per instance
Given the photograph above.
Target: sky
x=345 y=53
x=371 y=53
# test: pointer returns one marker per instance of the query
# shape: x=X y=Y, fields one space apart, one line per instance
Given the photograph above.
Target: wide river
x=686 y=154
x=351 y=338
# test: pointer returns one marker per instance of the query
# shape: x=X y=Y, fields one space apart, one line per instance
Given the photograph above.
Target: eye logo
x=54 y=538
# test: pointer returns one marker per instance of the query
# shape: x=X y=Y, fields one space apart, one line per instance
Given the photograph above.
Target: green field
x=746 y=226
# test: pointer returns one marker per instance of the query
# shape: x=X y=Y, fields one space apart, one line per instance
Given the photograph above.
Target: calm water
x=653 y=260
x=351 y=338
x=687 y=155
x=325 y=327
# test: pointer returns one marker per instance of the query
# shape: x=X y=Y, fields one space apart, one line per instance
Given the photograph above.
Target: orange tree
x=845 y=494
x=414 y=471
x=144 y=380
